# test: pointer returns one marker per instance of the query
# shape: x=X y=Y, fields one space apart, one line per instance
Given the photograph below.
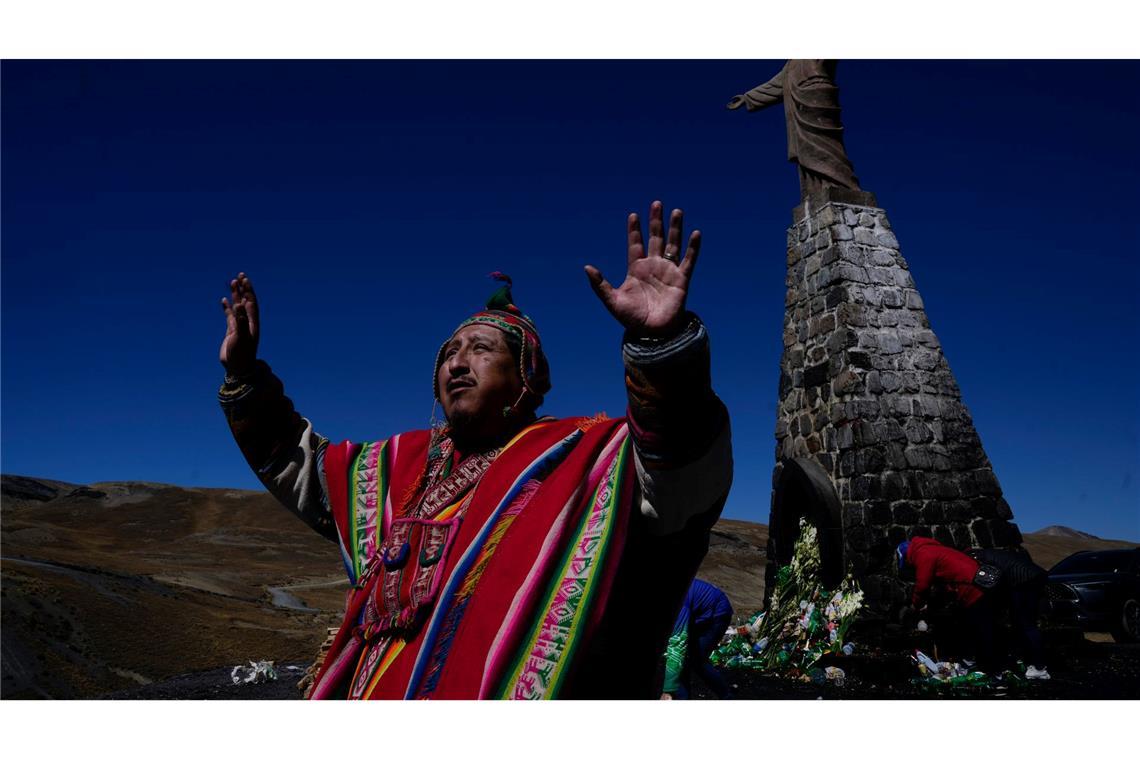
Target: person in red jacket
x=941 y=570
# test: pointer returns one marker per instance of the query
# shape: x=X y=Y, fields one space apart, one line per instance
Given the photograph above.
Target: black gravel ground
x=217 y=684
x=1080 y=669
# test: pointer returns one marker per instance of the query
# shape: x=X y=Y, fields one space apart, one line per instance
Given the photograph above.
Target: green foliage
x=803 y=621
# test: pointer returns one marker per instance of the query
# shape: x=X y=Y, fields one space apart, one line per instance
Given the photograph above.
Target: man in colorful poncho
x=506 y=555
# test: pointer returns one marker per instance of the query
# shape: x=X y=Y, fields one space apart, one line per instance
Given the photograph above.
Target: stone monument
x=873 y=442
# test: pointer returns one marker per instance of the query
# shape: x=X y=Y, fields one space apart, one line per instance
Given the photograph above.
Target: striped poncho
x=538 y=535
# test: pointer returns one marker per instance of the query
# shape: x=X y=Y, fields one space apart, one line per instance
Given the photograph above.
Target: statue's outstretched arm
x=767 y=94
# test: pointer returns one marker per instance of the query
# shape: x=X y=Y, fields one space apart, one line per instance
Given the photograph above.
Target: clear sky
x=368 y=200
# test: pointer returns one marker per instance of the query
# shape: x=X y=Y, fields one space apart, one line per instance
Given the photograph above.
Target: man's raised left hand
x=651 y=301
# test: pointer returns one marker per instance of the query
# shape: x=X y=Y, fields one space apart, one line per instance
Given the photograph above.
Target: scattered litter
x=955 y=676
x=802 y=624
x=255 y=672
x=938 y=671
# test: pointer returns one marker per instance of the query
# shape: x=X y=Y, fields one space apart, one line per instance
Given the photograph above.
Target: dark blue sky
x=368 y=200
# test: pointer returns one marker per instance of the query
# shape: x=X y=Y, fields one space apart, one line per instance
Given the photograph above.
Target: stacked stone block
x=866 y=393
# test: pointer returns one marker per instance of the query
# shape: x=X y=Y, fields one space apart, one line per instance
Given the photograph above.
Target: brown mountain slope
x=112 y=585
x=144 y=582
x=735 y=563
x=1047 y=549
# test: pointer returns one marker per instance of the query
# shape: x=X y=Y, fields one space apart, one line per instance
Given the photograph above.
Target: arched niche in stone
x=803 y=489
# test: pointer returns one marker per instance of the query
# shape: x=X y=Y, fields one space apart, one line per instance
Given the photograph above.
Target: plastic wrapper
x=255 y=672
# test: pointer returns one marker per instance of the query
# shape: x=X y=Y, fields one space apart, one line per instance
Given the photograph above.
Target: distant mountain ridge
x=34 y=489
x=1061 y=530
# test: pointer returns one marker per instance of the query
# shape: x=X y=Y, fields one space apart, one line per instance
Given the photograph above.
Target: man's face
x=477 y=379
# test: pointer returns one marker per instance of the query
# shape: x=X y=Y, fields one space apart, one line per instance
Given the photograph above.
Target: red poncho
x=539 y=534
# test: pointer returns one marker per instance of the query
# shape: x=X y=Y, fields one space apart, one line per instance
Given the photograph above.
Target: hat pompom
x=501 y=299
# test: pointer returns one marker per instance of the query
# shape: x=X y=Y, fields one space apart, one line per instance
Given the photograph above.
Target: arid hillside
x=109 y=586
x=735 y=563
x=119 y=584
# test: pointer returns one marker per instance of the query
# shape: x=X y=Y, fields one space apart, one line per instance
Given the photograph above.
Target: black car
x=1097 y=591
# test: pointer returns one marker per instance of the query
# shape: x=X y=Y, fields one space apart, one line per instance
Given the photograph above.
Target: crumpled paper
x=255 y=672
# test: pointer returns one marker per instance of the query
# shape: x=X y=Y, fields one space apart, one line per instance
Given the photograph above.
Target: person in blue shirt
x=704 y=617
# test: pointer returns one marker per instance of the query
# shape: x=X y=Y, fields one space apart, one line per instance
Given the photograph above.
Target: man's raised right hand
x=243 y=328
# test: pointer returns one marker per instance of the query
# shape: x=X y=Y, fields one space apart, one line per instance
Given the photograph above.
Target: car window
x=1078 y=563
x=1122 y=562
x=1095 y=562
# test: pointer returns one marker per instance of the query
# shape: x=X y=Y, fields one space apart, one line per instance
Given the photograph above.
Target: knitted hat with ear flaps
x=502 y=314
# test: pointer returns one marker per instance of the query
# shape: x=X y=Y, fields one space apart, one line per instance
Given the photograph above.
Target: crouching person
x=979 y=590
x=700 y=626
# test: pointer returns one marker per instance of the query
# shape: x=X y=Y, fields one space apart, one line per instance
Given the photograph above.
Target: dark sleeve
x=649 y=590
x=279 y=445
x=679 y=427
x=683 y=455
x=261 y=417
x=1016 y=567
x=674 y=414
